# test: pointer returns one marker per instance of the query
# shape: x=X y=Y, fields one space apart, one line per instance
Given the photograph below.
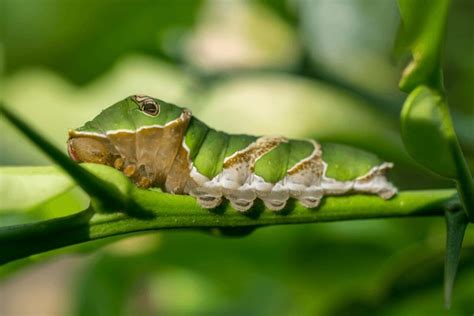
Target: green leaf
x=37 y=193
x=104 y=196
x=426 y=125
x=429 y=137
x=456 y=223
x=35 y=185
x=427 y=131
x=421 y=32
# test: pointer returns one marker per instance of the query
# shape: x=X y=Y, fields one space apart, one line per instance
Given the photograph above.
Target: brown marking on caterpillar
x=90 y=149
x=313 y=163
x=179 y=173
x=148 y=155
x=254 y=151
x=374 y=172
x=124 y=144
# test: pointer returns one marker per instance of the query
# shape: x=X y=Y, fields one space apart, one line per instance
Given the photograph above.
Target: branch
x=182 y=212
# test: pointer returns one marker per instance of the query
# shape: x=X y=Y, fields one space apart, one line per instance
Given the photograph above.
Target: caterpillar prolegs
x=158 y=144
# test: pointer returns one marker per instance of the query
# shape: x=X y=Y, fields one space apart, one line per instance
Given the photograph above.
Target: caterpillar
x=158 y=144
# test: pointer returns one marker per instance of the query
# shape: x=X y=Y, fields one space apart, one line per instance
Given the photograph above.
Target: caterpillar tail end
x=376 y=182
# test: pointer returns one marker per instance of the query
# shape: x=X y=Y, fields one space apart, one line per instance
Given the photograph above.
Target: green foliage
x=108 y=196
x=339 y=85
x=426 y=126
x=421 y=31
x=94 y=36
x=46 y=193
x=427 y=131
x=293 y=264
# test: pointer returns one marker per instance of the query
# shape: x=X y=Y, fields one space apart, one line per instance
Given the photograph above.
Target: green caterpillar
x=158 y=144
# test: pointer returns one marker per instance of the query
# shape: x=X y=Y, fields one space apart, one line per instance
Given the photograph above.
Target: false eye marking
x=147 y=105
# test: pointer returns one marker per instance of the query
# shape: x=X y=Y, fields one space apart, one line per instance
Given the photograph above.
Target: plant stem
x=464 y=181
x=182 y=212
x=465 y=184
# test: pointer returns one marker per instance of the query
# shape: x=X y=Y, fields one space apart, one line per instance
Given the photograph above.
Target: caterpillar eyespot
x=150 y=108
x=181 y=155
x=147 y=105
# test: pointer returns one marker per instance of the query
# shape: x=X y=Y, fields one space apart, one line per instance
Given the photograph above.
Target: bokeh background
x=301 y=68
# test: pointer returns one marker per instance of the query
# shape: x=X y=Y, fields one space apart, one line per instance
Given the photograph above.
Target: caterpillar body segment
x=158 y=144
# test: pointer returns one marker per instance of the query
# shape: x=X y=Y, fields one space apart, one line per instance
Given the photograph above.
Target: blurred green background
x=302 y=68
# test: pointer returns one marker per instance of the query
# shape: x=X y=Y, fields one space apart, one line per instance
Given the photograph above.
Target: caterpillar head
x=114 y=132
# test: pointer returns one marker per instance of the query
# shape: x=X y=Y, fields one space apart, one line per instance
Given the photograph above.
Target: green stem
x=464 y=181
x=181 y=212
x=465 y=186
